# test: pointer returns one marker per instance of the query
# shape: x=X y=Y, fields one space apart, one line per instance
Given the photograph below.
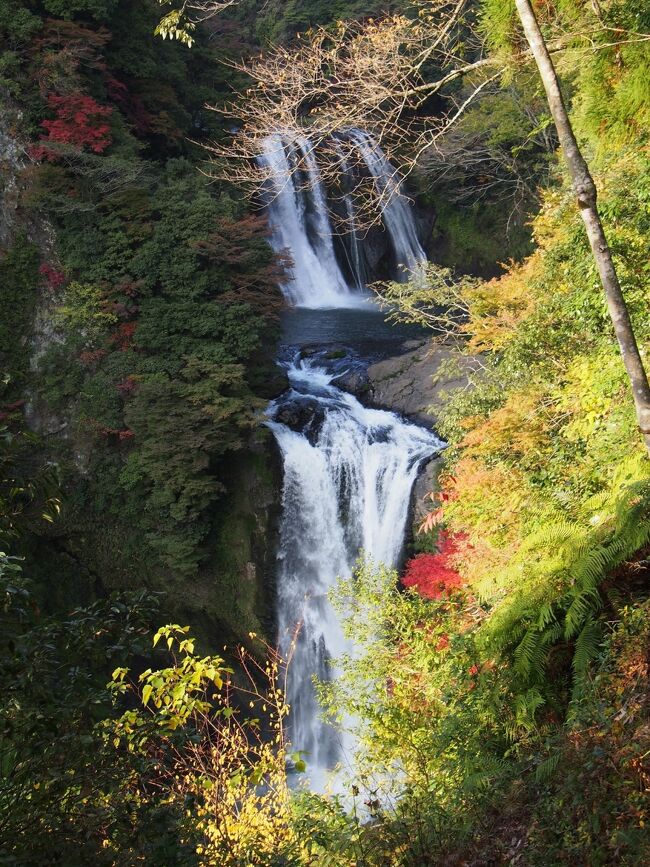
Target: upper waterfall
x=397 y=214
x=300 y=221
x=354 y=243
x=300 y=224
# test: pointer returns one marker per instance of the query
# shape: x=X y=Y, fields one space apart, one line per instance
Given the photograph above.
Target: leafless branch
x=379 y=76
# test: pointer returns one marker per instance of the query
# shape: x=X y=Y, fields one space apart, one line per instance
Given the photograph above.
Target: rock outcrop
x=12 y=162
x=418 y=381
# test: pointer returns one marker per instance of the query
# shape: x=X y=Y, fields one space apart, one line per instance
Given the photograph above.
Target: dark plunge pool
x=365 y=327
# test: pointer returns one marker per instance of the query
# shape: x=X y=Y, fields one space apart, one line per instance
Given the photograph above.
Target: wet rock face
x=417 y=382
x=12 y=161
x=303 y=415
x=356 y=382
x=378 y=254
x=325 y=353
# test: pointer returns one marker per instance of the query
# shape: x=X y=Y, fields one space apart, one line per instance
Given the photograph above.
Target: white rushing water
x=348 y=476
x=348 y=470
x=396 y=210
x=300 y=222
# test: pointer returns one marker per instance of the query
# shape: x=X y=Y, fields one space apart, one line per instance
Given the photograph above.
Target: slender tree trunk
x=585 y=190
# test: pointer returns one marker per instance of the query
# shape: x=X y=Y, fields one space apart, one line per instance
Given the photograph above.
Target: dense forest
x=498 y=689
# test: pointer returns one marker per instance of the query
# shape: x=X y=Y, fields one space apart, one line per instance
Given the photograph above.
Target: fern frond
x=587 y=647
x=546 y=769
x=546 y=616
x=529 y=656
x=551 y=536
x=526 y=707
x=552 y=634
x=583 y=606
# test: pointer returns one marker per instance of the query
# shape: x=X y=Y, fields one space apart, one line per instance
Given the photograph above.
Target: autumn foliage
x=435 y=575
x=53 y=277
x=80 y=122
x=122 y=337
x=253 y=280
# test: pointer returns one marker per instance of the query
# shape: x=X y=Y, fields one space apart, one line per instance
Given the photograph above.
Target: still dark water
x=366 y=327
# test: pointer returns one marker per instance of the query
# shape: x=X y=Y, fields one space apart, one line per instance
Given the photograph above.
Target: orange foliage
x=498 y=307
x=520 y=427
x=122 y=337
x=487 y=496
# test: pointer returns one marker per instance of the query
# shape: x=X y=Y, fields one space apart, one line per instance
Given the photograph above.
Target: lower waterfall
x=348 y=476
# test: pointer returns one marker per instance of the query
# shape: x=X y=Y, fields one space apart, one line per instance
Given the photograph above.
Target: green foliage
x=84 y=311
x=169 y=378
x=100 y=10
x=166 y=278
x=431 y=718
x=488 y=721
x=483 y=182
x=499 y=23
x=29 y=491
x=431 y=299
x=224 y=769
x=17 y=23
x=588 y=803
x=556 y=579
x=19 y=280
x=181 y=427
x=282 y=21
x=173 y=25
x=477 y=238
x=611 y=100
x=548 y=480
x=62 y=793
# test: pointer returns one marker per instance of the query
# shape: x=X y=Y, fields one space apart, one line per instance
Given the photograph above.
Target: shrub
x=80 y=122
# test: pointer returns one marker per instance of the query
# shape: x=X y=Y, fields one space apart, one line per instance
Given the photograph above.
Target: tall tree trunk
x=585 y=190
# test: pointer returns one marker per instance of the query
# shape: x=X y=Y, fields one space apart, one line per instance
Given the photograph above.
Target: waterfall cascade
x=354 y=244
x=300 y=222
x=348 y=475
x=396 y=212
x=348 y=470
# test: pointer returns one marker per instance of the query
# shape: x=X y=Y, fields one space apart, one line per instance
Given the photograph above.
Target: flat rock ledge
x=417 y=383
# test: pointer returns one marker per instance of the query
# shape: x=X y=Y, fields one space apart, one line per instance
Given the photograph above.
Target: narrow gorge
x=324 y=503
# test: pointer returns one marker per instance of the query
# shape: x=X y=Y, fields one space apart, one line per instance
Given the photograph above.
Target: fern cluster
x=560 y=570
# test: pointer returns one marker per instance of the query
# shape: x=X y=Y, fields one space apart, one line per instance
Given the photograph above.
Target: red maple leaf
x=80 y=121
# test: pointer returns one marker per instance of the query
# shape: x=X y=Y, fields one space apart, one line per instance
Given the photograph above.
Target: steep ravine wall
x=83 y=556
x=12 y=160
x=86 y=555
